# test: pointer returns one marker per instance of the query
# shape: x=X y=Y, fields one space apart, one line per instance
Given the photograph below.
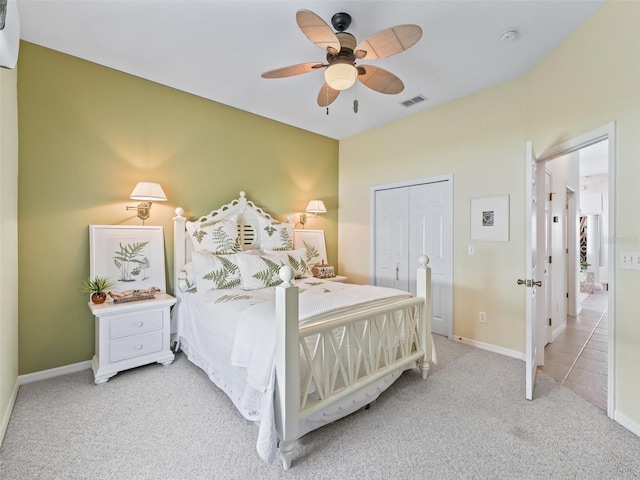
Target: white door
x=391 y=238
x=410 y=220
x=430 y=226
x=534 y=224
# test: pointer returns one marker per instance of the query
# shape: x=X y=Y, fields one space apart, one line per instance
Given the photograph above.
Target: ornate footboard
x=344 y=354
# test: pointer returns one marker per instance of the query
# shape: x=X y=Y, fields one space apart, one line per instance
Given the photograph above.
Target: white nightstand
x=337 y=278
x=131 y=334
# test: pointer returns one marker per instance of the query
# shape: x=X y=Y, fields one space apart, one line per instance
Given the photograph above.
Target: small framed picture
x=313 y=242
x=490 y=218
x=130 y=257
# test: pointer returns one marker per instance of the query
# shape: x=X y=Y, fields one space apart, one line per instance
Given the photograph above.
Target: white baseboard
x=556 y=332
x=6 y=415
x=53 y=372
x=488 y=346
x=626 y=422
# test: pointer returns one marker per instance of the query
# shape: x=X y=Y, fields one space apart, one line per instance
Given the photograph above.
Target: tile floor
x=578 y=357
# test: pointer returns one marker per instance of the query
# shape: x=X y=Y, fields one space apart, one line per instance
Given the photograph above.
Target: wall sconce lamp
x=148 y=193
x=314 y=208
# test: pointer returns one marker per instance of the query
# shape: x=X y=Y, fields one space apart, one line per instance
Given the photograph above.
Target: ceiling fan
x=341 y=71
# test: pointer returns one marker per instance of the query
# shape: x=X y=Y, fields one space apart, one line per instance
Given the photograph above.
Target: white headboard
x=247 y=213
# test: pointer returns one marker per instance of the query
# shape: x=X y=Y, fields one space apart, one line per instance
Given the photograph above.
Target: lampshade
x=316 y=206
x=148 y=191
x=340 y=76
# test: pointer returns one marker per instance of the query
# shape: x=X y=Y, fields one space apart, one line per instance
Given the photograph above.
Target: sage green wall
x=591 y=79
x=88 y=134
x=8 y=244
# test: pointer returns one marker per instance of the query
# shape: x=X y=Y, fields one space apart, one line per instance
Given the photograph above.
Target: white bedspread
x=231 y=335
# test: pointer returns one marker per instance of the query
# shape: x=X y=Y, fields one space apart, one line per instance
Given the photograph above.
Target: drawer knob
x=139 y=324
x=138 y=346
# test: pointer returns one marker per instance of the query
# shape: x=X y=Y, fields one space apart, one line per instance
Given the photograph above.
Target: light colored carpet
x=469 y=420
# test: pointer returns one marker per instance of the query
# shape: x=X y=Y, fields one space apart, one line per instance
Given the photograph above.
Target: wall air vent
x=412 y=101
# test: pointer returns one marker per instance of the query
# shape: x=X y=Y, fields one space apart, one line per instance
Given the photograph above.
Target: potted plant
x=584 y=265
x=96 y=288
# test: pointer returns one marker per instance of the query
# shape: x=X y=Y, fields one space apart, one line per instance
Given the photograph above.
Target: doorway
x=576 y=353
x=603 y=268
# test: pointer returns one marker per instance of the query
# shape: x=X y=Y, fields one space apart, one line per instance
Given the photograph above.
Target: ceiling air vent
x=412 y=101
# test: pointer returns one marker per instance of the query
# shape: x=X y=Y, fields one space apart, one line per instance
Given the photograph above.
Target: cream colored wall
x=8 y=244
x=88 y=134
x=591 y=79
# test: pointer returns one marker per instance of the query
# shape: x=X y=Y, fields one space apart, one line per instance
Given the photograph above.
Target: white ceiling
x=218 y=49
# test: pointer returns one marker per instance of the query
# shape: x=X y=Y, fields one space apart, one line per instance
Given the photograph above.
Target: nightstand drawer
x=135 y=346
x=135 y=323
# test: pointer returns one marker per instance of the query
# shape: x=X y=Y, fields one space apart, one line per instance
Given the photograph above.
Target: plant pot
x=98 y=297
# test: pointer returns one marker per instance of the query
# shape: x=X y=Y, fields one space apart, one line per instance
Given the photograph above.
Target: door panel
x=391 y=230
x=534 y=260
x=430 y=228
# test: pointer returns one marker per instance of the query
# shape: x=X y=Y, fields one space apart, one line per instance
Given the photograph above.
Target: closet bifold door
x=392 y=238
x=429 y=231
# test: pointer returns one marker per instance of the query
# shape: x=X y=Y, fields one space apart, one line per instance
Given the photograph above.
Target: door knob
x=521 y=282
x=537 y=284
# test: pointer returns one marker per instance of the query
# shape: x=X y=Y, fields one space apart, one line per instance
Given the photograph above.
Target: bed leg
x=424 y=368
x=286 y=452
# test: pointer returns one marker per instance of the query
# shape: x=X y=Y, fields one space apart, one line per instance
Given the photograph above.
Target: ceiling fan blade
x=317 y=30
x=292 y=70
x=390 y=41
x=327 y=95
x=380 y=80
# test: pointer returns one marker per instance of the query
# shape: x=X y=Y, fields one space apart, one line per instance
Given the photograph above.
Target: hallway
x=578 y=357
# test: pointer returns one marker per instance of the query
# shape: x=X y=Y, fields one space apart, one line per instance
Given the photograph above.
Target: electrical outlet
x=482 y=317
x=471 y=250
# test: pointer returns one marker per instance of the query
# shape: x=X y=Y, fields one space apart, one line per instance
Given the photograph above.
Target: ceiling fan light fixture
x=340 y=76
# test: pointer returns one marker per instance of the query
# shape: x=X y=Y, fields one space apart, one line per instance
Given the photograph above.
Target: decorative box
x=322 y=270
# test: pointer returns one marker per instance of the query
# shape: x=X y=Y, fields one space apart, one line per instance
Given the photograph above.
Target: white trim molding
x=626 y=422
x=6 y=415
x=490 y=347
x=54 y=372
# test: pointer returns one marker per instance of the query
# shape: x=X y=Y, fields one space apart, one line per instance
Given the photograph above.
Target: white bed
x=296 y=356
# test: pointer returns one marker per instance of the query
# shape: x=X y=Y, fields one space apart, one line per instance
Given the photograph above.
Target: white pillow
x=216 y=272
x=259 y=271
x=275 y=235
x=220 y=238
x=187 y=278
x=296 y=259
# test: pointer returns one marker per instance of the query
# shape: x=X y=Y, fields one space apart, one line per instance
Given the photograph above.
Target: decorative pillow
x=216 y=272
x=187 y=278
x=275 y=235
x=296 y=259
x=259 y=271
x=216 y=237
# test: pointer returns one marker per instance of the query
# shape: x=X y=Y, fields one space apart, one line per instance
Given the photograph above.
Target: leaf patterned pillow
x=259 y=271
x=216 y=272
x=296 y=259
x=220 y=238
x=275 y=235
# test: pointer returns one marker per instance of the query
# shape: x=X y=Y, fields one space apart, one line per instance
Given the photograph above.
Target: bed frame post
x=423 y=289
x=179 y=255
x=287 y=394
x=179 y=246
